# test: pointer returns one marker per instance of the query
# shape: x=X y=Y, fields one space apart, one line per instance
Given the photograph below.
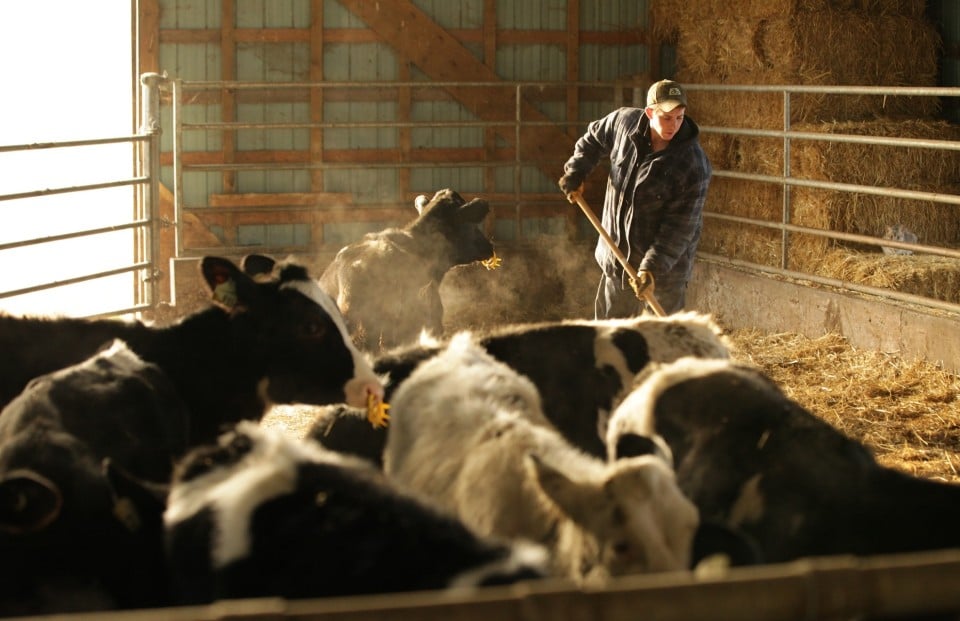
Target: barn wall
x=350 y=41
x=744 y=299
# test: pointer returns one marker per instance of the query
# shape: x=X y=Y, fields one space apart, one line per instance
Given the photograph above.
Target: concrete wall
x=741 y=299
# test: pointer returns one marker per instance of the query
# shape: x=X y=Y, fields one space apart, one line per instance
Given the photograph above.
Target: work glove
x=642 y=284
x=571 y=182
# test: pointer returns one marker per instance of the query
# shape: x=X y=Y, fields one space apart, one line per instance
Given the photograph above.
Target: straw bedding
x=907 y=412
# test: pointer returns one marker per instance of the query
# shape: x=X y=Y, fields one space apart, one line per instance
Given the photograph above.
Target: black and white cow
x=263 y=514
x=75 y=532
x=468 y=433
x=269 y=338
x=387 y=284
x=582 y=369
x=752 y=458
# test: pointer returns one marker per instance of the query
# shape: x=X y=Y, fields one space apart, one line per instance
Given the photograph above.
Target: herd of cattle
x=134 y=473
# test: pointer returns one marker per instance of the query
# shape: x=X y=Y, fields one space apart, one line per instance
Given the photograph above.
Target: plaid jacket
x=653 y=207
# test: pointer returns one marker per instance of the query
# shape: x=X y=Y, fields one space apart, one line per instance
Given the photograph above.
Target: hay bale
x=871 y=165
x=664 y=21
x=867 y=214
x=737 y=109
x=878 y=165
x=741 y=242
x=748 y=199
x=929 y=276
x=769 y=9
x=817 y=47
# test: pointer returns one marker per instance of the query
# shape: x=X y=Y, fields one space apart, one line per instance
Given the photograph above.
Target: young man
x=653 y=205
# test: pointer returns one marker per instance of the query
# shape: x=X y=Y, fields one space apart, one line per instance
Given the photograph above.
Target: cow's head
x=458 y=222
x=292 y=330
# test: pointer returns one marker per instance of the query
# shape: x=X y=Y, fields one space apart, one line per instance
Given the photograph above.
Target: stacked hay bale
x=817 y=42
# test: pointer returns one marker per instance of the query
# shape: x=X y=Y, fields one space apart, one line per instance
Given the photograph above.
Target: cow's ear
x=420 y=203
x=29 y=502
x=475 y=211
x=578 y=501
x=137 y=504
x=257 y=264
x=229 y=287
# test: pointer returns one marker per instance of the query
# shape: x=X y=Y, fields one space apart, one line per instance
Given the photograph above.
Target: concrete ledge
x=742 y=299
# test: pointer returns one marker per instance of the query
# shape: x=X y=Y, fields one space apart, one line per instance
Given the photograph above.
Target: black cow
x=752 y=458
x=75 y=532
x=269 y=338
x=581 y=368
x=387 y=284
x=262 y=514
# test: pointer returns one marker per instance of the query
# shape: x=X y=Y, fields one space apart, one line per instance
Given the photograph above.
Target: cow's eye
x=240 y=445
x=314 y=329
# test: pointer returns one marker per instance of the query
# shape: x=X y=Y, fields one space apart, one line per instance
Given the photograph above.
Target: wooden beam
x=230 y=217
x=148 y=30
x=404 y=111
x=415 y=36
x=466 y=156
x=363 y=35
x=284 y=199
x=317 y=95
x=490 y=60
x=228 y=72
x=573 y=63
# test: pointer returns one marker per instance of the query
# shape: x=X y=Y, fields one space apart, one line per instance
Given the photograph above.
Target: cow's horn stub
x=420 y=202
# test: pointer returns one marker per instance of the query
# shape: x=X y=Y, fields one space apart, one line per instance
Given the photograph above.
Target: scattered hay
x=908 y=413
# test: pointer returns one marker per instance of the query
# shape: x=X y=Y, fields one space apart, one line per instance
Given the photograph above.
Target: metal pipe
x=936 y=197
x=74 y=188
x=826 y=137
x=74 y=235
x=69 y=143
x=517 y=162
x=851 y=237
x=935 y=91
x=72 y=281
x=177 y=169
x=150 y=126
x=785 y=211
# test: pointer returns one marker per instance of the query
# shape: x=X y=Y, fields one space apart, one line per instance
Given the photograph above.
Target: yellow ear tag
x=377 y=411
x=226 y=293
x=492 y=263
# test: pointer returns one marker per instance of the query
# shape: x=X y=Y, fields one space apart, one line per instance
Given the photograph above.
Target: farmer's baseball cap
x=666 y=94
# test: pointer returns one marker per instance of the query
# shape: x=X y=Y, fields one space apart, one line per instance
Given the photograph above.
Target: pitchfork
x=645 y=294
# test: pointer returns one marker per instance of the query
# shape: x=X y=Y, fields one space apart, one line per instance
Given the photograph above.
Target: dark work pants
x=615 y=298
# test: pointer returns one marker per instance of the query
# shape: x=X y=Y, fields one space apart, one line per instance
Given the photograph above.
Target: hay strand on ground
x=907 y=412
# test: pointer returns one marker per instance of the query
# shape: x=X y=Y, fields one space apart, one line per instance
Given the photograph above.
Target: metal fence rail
x=788 y=180
x=144 y=223
x=521 y=125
